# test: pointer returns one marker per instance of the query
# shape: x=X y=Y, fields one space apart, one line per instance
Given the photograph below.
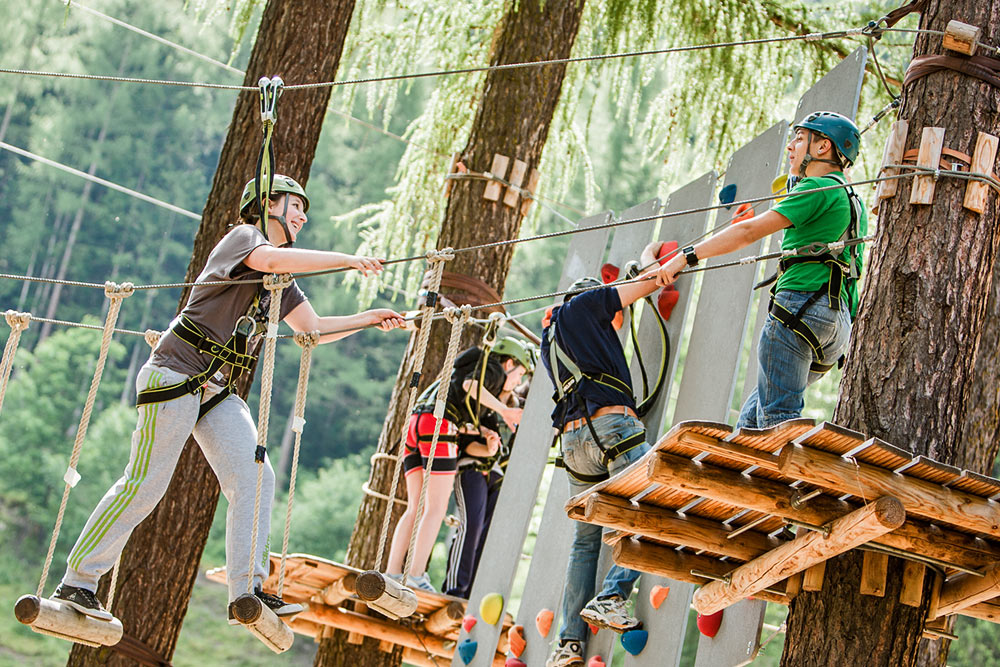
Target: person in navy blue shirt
x=600 y=434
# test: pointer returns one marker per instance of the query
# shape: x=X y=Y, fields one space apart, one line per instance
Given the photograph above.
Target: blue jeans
x=582 y=455
x=785 y=357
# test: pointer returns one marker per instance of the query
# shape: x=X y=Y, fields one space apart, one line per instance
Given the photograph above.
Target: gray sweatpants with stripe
x=227 y=436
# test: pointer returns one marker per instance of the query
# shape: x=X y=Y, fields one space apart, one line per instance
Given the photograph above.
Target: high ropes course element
x=852 y=491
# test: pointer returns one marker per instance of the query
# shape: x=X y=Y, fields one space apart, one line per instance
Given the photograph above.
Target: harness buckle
x=246 y=326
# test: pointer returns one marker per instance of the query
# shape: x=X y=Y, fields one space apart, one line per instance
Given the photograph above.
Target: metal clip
x=270 y=91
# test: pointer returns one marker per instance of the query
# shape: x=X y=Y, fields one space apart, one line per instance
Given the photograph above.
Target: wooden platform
x=757 y=514
x=328 y=589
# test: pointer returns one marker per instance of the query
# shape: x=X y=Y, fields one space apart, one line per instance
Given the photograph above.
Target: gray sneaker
x=610 y=613
x=82 y=600
x=423 y=583
x=568 y=652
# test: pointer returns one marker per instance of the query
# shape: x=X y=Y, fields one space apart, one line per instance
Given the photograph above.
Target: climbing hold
x=491 y=608
x=657 y=595
x=467 y=650
x=593 y=628
x=514 y=662
x=667 y=299
x=744 y=212
x=708 y=624
x=727 y=195
x=634 y=641
x=468 y=623
x=667 y=250
x=596 y=661
x=515 y=639
x=543 y=621
x=778 y=186
x=609 y=273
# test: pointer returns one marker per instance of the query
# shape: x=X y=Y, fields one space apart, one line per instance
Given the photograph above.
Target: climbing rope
x=18 y=322
x=437 y=258
x=458 y=317
x=307 y=341
x=116 y=294
x=834 y=34
x=275 y=284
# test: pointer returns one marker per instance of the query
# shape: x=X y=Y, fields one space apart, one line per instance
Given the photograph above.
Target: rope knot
x=458 y=314
x=306 y=339
x=277 y=281
x=17 y=321
x=443 y=255
x=116 y=291
x=152 y=337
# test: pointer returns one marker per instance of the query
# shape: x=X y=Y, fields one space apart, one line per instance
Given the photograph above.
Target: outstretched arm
x=512 y=416
x=728 y=240
x=304 y=318
x=632 y=292
x=268 y=259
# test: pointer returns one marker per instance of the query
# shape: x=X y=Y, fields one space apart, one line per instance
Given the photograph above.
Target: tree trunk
x=302 y=42
x=513 y=119
x=912 y=376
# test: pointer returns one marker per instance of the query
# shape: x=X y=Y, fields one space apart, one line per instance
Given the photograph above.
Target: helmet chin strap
x=284 y=225
x=809 y=158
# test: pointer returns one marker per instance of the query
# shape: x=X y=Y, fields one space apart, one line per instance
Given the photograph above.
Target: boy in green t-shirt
x=815 y=297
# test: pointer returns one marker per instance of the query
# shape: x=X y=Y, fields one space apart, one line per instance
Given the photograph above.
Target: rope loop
x=443 y=255
x=17 y=321
x=152 y=337
x=306 y=339
x=277 y=281
x=116 y=291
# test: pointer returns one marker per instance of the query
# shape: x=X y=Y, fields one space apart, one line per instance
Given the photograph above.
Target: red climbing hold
x=708 y=624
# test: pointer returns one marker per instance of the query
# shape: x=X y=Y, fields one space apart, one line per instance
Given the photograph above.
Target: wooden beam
x=498 y=169
x=516 y=178
x=446 y=619
x=960 y=37
x=729 y=450
x=931 y=143
x=793 y=585
x=812 y=578
x=912 y=592
x=968 y=589
x=847 y=532
x=982 y=162
x=672 y=564
x=770 y=497
x=338 y=591
x=369 y=626
x=920 y=498
x=669 y=526
x=531 y=187
x=985 y=611
x=893 y=154
x=874 y=568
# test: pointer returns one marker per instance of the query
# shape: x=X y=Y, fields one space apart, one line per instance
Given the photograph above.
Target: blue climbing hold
x=634 y=641
x=727 y=195
x=467 y=650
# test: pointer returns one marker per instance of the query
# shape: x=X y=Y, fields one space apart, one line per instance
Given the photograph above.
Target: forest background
x=613 y=148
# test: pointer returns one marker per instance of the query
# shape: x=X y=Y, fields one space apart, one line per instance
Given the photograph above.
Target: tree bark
x=513 y=119
x=302 y=42
x=912 y=377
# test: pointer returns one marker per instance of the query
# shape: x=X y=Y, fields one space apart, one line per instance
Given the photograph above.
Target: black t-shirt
x=468 y=366
x=586 y=334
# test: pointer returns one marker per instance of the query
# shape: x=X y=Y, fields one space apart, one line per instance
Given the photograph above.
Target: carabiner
x=270 y=91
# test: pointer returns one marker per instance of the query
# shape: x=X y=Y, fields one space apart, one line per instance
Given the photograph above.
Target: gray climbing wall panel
x=667 y=624
x=504 y=542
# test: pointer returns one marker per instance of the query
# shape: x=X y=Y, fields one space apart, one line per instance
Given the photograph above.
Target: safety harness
x=568 y=390
x=840 y=271
x=234 y=352
x=425 y=404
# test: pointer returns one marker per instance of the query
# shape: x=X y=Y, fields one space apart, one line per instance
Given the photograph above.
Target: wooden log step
x=50 y=617
x=386 y=595
x=263 y=623
x=847 y=532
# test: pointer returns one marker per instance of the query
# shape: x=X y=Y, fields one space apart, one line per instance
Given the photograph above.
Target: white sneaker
x=568 y=652
x=423 y=583
x=610 y=613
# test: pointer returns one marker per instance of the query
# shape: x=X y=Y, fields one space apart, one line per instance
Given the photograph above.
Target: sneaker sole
x=92 y=613
x=601 y=623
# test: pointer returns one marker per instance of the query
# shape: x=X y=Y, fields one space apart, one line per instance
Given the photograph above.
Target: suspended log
x=845 y=533
x=967 y=590
x=770 y=497
x=49 y=617
x=386 y=595
x=667 y=525
x=672 y=564
x=263 y=623
x=920 y=498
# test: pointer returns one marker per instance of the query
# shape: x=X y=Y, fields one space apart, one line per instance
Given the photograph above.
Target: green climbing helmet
x=518 y=350
x=281 y=185
x=581 y=285
x=838 y=128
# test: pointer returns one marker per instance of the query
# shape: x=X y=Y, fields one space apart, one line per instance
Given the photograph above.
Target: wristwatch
x=692 y=258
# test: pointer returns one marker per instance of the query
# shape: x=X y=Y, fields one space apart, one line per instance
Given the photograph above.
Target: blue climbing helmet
x=839 y=129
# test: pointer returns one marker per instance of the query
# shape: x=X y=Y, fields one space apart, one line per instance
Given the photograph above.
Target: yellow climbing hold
x=491 y=608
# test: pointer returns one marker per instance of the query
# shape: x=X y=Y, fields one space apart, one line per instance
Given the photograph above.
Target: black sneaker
x=274 y=603
x=83 y=600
